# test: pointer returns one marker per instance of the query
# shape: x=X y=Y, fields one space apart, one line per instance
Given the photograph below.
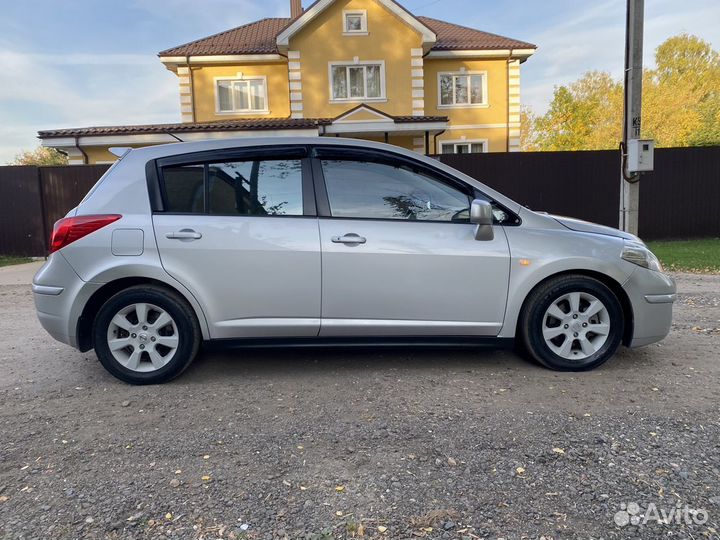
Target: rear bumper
x=60 y=296
x=652 y=295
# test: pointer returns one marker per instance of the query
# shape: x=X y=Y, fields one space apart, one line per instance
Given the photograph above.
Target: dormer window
x=355 y=22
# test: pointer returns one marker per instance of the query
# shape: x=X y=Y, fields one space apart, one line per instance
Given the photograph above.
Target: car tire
x=571 y=323
x=146 y=335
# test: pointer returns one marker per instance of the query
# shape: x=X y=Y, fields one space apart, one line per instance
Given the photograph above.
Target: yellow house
x=356 y=68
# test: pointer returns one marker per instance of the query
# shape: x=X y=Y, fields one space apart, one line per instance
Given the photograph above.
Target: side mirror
x=481 y=213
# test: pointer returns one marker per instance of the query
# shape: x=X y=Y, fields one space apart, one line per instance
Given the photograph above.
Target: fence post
x=43 y=213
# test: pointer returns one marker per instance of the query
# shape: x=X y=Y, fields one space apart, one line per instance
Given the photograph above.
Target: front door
x=399 y=255
x=240 y=232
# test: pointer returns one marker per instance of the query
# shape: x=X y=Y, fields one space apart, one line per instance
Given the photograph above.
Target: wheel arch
x=99 y=297
x=608 y=281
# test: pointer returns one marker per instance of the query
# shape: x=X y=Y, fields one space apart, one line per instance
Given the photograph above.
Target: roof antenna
x=174 y=136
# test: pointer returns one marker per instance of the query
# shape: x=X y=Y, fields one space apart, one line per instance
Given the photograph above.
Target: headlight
x=637 y=253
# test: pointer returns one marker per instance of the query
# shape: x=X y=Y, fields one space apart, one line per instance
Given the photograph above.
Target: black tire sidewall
x=533 y=323
x=188 y=334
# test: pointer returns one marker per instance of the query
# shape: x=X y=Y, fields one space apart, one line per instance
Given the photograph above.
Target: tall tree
x=681 y=104
x=40 y=156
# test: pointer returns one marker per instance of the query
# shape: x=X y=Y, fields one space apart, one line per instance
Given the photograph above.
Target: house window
x=463 y=147
x=245 y=95
x=355 y=22
x=462 y=89
x=354 y=82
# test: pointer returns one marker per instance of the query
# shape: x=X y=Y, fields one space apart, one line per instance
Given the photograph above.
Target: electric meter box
x=640 y=155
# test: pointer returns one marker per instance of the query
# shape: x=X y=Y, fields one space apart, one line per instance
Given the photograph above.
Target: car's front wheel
x=572 y=323
x=146 y=335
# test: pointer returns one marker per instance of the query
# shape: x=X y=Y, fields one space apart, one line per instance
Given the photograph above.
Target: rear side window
x=266 y=187
x=184 y=189
x=256 y=188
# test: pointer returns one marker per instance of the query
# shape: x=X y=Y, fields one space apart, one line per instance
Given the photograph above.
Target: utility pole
x=630 y=187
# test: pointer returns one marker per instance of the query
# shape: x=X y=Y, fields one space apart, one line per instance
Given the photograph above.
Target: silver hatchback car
x=302 y=241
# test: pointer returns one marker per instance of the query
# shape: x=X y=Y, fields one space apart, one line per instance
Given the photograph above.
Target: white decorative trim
x=478 y=126
x=171 y=61
x=293 y=55
x=297 y=115
x=380 y=127
x=296 y=107
x=357 y=62
x=417 y=52
x=295 y=86
x=417 y=73
x=418 y=93
x=379 y=115
x=485 y=102
x=294 y=75
x=241 y=77
x=487 y=53
x=418 y=83
x=183 y=70
x=363 y=22
x=294 y=66
x=417 y=62
x=160 y=138
x=296 y=96
x=283 y=39
x=464 y=140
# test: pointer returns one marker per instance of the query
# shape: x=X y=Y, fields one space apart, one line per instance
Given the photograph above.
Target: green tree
x=681 y=104
x=40 y=156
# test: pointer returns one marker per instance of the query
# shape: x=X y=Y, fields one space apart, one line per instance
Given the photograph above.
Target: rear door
x=239 y=229
x=399 y=255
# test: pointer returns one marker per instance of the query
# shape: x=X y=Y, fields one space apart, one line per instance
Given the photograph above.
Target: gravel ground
x=365 y=444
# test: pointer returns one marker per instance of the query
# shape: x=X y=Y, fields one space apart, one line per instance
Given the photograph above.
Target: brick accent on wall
x=295 y=78
x=418 y=82
x=514 y=105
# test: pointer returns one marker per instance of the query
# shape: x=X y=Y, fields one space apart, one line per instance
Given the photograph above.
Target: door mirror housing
x=481 y=213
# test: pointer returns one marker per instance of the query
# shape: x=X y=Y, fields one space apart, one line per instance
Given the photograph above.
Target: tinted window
x=256 y=188
x=184 y=189
x=248 y=188
x=382 y=191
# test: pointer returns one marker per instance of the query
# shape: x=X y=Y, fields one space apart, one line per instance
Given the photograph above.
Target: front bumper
x=652 y=295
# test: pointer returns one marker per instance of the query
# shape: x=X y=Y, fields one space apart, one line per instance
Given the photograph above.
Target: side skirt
x=357 y=342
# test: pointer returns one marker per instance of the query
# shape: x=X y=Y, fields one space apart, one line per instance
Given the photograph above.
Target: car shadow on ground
x=212 y=365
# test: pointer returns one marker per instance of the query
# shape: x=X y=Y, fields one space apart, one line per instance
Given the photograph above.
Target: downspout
x=435 y=138
x=86 y=160
x=192 y=87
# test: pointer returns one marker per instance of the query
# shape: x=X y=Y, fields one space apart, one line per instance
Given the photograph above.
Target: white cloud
x=594 y=39
x=81 y=90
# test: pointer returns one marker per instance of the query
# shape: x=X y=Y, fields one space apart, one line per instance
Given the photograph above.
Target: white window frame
x=468 y=142
x=355 y=63
x=483 y=104
x=363 y=22
x=240 y=77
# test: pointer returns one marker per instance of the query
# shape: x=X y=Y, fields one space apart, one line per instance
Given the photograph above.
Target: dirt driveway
x=366 y=444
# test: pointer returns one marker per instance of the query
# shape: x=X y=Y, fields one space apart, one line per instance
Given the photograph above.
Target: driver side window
x=360 y=189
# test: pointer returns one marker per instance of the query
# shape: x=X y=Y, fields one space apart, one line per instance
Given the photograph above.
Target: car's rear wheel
x=572 y=323
x=146 y=335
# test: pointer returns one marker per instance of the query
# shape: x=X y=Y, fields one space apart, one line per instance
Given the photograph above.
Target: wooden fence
x=681 y=199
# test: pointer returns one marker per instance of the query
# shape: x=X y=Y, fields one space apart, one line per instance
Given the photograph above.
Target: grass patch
x=7 y=260
x=689 y=255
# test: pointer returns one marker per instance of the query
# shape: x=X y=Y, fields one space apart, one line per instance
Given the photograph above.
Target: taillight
x=67 y=230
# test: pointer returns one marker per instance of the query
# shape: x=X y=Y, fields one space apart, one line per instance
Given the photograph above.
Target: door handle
x=349 y=238
x=184 y=234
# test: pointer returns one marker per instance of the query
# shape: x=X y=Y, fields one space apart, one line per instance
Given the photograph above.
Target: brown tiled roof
x=259 y=38
x=225 y=125
x=254 y=38
x=455 y=37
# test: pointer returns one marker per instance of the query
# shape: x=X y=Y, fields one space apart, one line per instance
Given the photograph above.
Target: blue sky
x=74 y=63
